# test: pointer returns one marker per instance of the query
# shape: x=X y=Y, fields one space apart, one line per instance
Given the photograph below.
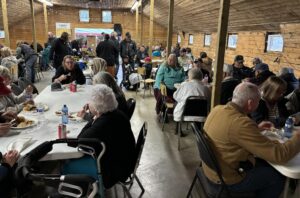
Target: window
x=232 y=40
x=106 y=16
x=84 y=15
x=178 y=38
x=191 y=39
x=207 y=40
x=274 y=42
x=2 y=34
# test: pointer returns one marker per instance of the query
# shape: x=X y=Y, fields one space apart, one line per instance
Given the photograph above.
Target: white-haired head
x=103 y=99
x=228 y=69
x=246 y=95
x=195 y=74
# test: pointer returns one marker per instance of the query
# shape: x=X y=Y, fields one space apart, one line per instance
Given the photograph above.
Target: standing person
x=51 y=38
x=176 y=50
x=115 y=41
x=242 y=151
x=240 y=71
x=206 y=62
x=30 y=57
x=128 y=48
x=106 y=50
x=141 y=55
x=59 y=50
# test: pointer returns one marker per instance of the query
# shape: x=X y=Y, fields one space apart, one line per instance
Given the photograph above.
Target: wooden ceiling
x=202 y=15
x=189 y=15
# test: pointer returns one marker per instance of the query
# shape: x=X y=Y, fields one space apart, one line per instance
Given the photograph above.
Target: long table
x=48 y=131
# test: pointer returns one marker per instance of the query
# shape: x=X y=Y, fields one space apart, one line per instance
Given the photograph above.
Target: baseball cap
x=148 y=59
x=261 y=67
x=238 y=58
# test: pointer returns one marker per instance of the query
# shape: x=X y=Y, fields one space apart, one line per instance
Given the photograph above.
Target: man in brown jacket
x=237 y=140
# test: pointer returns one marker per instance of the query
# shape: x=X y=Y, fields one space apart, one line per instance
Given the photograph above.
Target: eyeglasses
x=69 y=62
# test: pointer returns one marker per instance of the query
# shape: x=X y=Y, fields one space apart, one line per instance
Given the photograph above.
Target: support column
x=142 y=24
x=137 y=23
x=5 y=22
x=33 y=25
x=170 y=27
x=151 y=26
x=220 y=51
x=46 y=20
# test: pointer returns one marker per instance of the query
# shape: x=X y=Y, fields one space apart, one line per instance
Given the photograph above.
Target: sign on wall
x=2 y=34
x=63 y=27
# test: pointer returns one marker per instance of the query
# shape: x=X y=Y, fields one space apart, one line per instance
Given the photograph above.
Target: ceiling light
x=135 y=5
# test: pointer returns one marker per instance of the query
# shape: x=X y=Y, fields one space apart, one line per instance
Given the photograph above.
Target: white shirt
x=191 y=88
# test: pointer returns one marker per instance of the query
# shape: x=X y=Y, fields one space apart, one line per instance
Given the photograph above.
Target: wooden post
x=33 y=25
x=137 y=23
x=46 y=20
x=170 y=27
x=142 y=24
x=5 y=22
x=151 y=26
x=220 y=51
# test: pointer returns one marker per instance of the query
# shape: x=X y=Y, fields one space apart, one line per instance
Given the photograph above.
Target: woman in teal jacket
x=169 y=73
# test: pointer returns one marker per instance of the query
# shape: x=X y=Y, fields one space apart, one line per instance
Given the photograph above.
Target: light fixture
x=47 y=2
x=135 y=5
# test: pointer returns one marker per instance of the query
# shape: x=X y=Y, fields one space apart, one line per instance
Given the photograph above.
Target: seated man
x=262 y=73
x=240 y=71
x=113 y=128
x=194 y=87
x=228 y=84
x=237 y=139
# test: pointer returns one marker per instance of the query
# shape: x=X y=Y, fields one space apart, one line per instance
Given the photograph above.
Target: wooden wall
x=252 y=44
x=22 y=30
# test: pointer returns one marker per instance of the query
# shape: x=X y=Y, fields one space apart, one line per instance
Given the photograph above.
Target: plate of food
x=72 y=116
x=23 y=123
x=33 y=107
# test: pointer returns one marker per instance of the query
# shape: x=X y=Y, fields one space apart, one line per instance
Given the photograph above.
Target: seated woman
x=69 y=72
x=113 y=128
x=272 y=104
x=8 y=60
x=7 y=98
x=169 y=73
x=98 y=65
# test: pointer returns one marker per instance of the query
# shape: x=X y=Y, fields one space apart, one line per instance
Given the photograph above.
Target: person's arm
x=19 y=52
x=52 y=49
x=250 y=138
x=59 y=72
x=159 y=76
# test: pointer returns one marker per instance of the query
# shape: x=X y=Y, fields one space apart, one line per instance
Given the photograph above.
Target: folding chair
x=139 y=150
x=166 y=105
x=147 y=82
x=208 y=157
x=131 y=106
x=195 y=110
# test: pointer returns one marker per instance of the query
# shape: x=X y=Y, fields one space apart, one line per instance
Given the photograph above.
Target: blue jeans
x=262 y=179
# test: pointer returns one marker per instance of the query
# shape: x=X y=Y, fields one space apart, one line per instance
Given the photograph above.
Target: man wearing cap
x=240 y=71
x=262 y=73
x=128 y=48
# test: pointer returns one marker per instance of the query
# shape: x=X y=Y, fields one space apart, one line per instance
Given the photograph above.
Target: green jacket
x=169 y=75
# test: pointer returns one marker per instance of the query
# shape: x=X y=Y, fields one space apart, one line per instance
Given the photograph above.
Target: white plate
x=46 y=108
x=35 y=122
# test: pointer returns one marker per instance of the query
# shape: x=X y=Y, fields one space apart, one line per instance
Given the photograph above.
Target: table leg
x=286 y=188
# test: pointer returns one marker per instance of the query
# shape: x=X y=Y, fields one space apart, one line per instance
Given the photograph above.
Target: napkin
x=20 y=144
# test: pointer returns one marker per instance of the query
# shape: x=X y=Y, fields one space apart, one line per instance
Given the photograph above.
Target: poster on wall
x=2 y=34
x=62 y=27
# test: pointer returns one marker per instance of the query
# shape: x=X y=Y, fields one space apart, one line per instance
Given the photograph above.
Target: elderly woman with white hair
x=112 y=128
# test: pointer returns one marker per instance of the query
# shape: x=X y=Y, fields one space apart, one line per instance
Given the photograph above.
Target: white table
x=48 y=131
x=156 y=61
x=291 y=169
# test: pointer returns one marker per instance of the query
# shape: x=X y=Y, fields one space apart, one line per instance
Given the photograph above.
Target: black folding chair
x=139 y=150
x=208 y=157
x=131 y=106
x=195 y=110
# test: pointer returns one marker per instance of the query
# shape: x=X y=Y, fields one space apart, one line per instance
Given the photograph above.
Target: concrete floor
x=164 y=171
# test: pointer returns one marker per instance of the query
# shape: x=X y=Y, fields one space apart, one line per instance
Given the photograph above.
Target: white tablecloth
x=48 y=131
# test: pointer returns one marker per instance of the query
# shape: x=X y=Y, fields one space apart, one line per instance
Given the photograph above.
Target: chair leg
x=126 y=191
x=192 y=186
x=140 y=184
x=144 y=89
x=179 y=134
x=164 y=118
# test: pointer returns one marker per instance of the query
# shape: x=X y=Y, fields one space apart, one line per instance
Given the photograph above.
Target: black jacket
x=75 y=74
x=292 y=82
x=58 y=51
x=262 y=112
x=107 y=51
x=261 y=77
x=241 y=73
x=114 y=129
x=128 y=48
x=227 y=88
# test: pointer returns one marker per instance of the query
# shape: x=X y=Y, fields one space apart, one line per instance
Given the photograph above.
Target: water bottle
x=28 y=96
x=288 y=127
x=65 y=115
x=40 y=112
